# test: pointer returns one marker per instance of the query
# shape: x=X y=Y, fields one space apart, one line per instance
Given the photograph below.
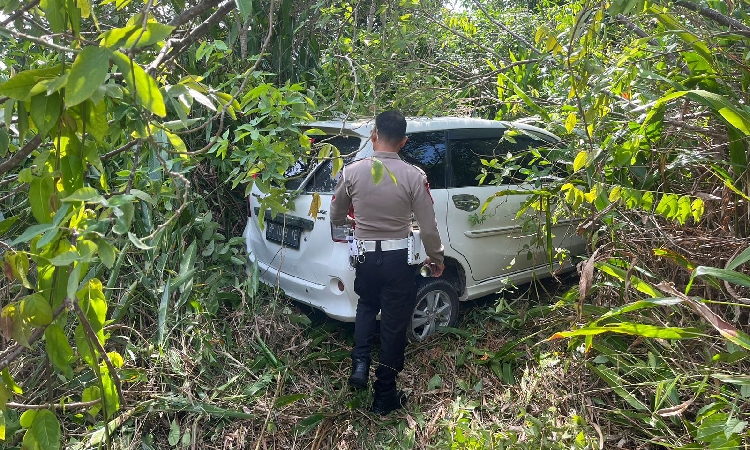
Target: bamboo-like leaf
x=288 y=400
x=723 y=274
x=617 y=383
x=635 y=282
x=740 y=259
x=162 y=315
x=631 y=328
x=641 y=304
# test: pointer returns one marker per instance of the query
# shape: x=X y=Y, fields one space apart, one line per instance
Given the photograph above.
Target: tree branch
x=9 y=355
x=117 y=151
x=192 y=13
x=506 y=29
x=27 y=37
x=714 y=15
x=19 y=13
x=174 y=46
x=19 y=156
x=95 y=339
x=54 y=405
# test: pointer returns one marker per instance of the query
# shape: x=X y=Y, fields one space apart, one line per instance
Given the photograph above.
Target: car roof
x=362 y=127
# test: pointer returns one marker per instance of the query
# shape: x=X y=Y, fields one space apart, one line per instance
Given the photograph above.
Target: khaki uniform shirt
x=384 y=211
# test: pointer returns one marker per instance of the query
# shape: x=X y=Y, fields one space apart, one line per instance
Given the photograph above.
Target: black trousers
x=385 y=283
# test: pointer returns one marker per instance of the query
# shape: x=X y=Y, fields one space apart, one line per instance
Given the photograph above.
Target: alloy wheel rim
x=433 y=310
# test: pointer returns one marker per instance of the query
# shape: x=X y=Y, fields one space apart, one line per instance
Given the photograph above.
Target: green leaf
x=46 y=430
x=617 y=383
x=4 y=142
x=723 y=274
x=16 y=389
x=90 y=394
x=684 y=209
x=19 y=266
x=45 y=111
x=27 y=418
x=111 y=398
x=138 y=243
x=40 y=196
x=5 y=396
x=19 y=86
x=106 y=252
x=631 y=328
x=142 y=85
x=570 y=122
x=697 y=208
x=123 y=218
x=740 y=259
x=86 y=350
x=378 y=170
x=65 y=258
x=288 y=400
x=84 y=194
x=436 y=382
x=177 y=142
x=245 y=7
x=135 y=35
x=35 y=309
x=71 y=285
x=174 y=433
x=2 y=422
x=308 y=423
x=162 y=315
x=580 y=160
x=59 y=351
x=88 y=72
x=635 y=282
x=93 y=303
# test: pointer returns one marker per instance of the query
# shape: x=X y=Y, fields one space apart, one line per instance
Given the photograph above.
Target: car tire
x=436 y=306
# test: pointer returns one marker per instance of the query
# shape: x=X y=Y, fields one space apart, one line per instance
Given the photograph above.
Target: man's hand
x=350 y=221
x=437 y=268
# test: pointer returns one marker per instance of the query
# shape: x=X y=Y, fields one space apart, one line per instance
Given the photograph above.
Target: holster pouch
x=416 y=253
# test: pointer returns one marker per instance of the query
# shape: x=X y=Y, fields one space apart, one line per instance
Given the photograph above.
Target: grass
x=272 y=375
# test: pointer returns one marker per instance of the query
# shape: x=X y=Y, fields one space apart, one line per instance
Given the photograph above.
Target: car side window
x=467 y=156
x=427 y=151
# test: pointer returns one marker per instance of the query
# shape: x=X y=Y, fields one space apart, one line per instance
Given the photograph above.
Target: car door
x=493 y=242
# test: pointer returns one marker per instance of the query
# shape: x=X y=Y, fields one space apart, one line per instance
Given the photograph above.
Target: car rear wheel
x=437 y=306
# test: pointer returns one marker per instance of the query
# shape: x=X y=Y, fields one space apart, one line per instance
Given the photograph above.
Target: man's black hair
x=391 y=126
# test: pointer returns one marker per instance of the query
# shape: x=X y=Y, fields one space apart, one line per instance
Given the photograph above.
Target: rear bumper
x=340 y=305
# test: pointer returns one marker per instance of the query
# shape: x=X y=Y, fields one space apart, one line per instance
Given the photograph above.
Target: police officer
x=385 y=282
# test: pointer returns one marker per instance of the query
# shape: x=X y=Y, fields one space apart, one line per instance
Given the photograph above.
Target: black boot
x=385 y=402
x=360 y=373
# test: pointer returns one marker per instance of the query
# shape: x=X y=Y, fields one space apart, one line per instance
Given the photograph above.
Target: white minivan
x=484 y=250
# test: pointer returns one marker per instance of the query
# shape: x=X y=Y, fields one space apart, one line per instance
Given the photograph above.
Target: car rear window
x=321 y=180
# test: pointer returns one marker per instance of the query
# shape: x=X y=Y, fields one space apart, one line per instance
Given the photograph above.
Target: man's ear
x=403 y=142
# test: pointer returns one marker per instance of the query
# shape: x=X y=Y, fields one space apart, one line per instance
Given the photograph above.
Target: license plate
x=284 y=234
